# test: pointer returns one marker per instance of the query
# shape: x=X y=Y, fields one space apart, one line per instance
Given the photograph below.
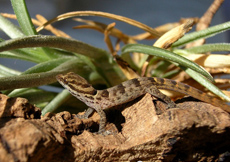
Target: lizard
x=98 y=100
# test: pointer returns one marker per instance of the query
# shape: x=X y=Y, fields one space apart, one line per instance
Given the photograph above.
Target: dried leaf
x=211 y=60
x=102 y=27
x=39 y=22
x=102 y=14
x=55 y=31
x=205 y=21
x=173 y=35
x=163 y=29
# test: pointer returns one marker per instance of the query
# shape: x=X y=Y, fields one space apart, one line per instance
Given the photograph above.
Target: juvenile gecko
x=127 y=91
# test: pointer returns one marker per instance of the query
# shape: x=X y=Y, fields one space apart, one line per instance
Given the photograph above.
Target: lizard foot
x=171 y=105
x=104 y=132
x=82 y=116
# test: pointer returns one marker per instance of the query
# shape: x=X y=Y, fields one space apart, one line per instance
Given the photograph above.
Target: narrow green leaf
x=29 y=80
x=160 y=68
x=209 y=48
x=167 y=55
x=26 y=24
x=129 y=60
x=47 y=66
x=206 y=33
x=9 y=54
x=9 y=28
x=34 y=95
x=38 y=79
x=171 y=73
x=22 y=55
x=206 y=83
x=55 y=42
x=5 y=71
x=56 y=102
x=23 y=17
x=18 y=92
x=29 y=54
x=102 y=60
x=34 y=54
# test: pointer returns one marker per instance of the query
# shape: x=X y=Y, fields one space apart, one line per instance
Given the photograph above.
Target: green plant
x=55 y=55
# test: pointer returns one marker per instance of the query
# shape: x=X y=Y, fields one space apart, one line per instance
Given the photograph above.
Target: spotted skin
x=99 y=100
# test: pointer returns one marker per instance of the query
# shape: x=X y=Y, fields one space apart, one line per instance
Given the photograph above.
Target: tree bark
x=194 y=131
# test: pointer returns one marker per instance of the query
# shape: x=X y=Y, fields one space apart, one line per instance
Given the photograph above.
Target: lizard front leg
x=154 y=91
x=102 y=123
x=87 y=113
x=102 y=114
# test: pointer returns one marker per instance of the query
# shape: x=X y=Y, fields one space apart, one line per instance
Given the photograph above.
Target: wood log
x=194 y=131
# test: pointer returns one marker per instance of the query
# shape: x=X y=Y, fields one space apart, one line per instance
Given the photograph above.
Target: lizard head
x=75 y=84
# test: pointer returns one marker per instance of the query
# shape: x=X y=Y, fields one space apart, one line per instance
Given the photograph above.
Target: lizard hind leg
x=158 y=94
x=102 y=114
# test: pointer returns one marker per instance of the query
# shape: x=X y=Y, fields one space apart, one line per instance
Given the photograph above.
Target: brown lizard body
x=127 y=91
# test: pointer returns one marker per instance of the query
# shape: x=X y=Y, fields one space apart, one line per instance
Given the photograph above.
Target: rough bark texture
x=194 y=131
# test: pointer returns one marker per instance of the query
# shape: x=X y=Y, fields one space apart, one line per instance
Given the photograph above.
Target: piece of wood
x=194 y=131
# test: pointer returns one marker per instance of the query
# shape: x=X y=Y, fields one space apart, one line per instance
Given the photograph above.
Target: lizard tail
x=169 y=84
